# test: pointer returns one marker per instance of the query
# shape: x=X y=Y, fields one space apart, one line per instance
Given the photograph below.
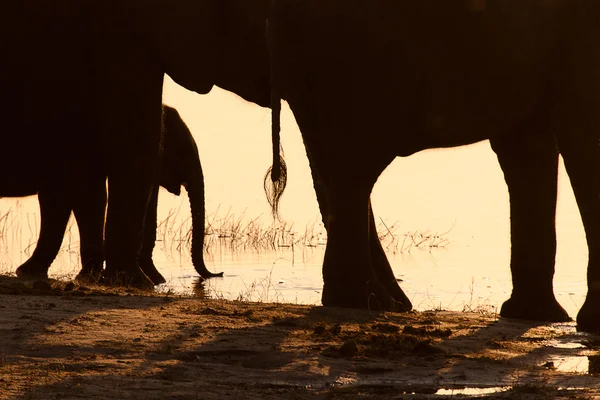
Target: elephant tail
x=275 y=186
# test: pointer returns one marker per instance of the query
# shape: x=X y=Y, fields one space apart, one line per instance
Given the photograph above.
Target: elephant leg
x=145 y=259
x=379 y=261
x=128 y=194
x=89 y=212
x=55 y=210
x=349 y=279
x=348 y=276
x=382 y=266
x=582 y=161
x=123 y=231
x=530 y=167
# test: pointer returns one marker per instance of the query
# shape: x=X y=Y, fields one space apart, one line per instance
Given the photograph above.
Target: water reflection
x=594 y=364
x=577 y=353
x=199 y=288
x=575 y=364
x=471 y=391
x=582 y=364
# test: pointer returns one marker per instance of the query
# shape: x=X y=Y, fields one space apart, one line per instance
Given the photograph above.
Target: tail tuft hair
x=275 y=186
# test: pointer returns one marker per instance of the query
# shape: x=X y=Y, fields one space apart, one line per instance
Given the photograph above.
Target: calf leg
x=149 y=240
x=89 y=211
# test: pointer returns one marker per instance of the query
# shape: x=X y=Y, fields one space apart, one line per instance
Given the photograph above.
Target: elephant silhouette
x=76 y=74
x=368 y=81
x=85 y=77
x=179 y=166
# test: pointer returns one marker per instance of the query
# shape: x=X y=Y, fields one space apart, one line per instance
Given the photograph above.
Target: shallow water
x=450 y=278
x=471 y=391
x=459 y=193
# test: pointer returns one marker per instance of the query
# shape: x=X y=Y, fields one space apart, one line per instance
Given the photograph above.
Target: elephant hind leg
x=378 y=259
x=530 y=166
x=349 y=279
x=348 y=276
x=382 y=267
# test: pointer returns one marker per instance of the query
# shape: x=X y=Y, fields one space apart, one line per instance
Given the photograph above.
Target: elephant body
x=180 y=166
x=88 y=74
x=370 y=80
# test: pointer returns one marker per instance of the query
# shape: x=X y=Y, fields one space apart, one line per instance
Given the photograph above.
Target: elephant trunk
x=195 y=189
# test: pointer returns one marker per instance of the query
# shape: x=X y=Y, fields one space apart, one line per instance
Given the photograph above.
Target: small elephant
x=371 y=80
x=180 y=167
x=76 y=75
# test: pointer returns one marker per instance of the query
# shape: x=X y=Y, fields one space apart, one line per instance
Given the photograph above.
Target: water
x=459 y=191
x=476 y=392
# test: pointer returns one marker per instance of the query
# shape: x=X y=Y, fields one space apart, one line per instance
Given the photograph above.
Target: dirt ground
x=62 y=341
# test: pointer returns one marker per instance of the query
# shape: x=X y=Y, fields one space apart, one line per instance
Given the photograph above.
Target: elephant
x=371 y=80
x=81 y=77
x=180 y=166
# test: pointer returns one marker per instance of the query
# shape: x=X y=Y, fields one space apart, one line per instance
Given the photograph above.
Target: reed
x=226 y=234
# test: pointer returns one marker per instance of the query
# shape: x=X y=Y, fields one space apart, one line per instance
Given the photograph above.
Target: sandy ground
x=61 y=341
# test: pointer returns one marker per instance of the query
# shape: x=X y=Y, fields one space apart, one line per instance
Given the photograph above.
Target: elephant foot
x=386 y=277
x=205 y=273
x=385 y=274
x=148 y=267
x=355 y=293
x=588 y=318
x=534 y=308
x=89 y=275
x=394 y=290
x=32 y=269
x=156 y=277
x=132 y=278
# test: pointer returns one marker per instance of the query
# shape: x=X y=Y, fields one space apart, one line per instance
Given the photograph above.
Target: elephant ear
x=184 y=34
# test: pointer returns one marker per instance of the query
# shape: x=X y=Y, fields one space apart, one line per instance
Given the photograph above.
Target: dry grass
x=395 y=243
x=226 y=233
x=19 y=231
x=236 y=233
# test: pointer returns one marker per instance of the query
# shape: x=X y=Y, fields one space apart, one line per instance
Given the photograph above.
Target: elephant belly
x=413 y=75
x=18 y=187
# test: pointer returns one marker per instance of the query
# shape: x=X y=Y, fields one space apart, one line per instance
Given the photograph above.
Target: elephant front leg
x=55 y=210
x=581 y=153
x=530 y=166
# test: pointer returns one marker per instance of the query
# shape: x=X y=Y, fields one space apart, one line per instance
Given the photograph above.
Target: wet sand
x=60 y=340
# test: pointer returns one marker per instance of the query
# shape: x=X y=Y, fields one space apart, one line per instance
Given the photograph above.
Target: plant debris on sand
x=61 y=340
